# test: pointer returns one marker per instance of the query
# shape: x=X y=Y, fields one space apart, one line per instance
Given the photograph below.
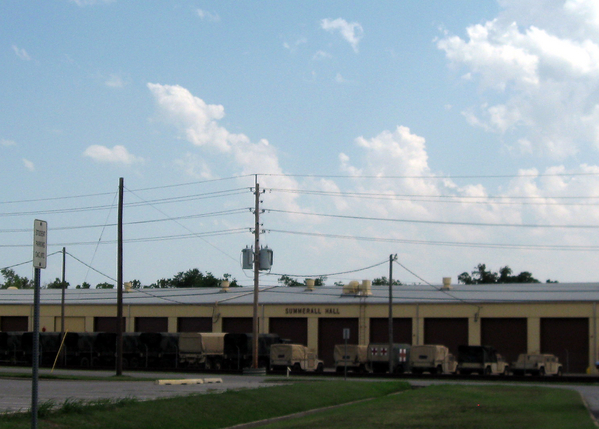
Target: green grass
x=446 y=406
x=455 y=406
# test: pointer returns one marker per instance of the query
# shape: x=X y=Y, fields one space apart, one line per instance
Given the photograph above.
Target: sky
x=449 y=133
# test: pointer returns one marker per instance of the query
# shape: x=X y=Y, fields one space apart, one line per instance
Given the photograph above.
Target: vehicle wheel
x=217 y=365
x=438 y=370
x=559 y=372
x=487 y=371
x=208 y=364
x=84 y=362
x=320 y=368
x=296 y=367
x=542 y=372
x=506 y=371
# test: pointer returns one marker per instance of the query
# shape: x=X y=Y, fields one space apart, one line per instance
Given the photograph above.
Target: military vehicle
x=483 y=360
x=537 y=364
x=296 y=357
x=350 y=356
x=378 y=357
x=435 y=359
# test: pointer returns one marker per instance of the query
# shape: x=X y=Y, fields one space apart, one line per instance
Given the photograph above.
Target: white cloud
x=117 y=155
x=208 y=16
x=82 y=3
x=351 y=32
x=538 y=67
x=21 y=53
x=115 y=81
x=28 y=165
x=7 y=143
x=321 y=55
x=199 y=123
x=194 y=166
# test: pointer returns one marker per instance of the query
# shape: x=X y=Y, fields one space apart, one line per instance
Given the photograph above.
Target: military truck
x=296 y=357
x=378 y=357
x=352 y=356
x=435 y=359
x=483 y=360
x=537 y=364
x=202 y=349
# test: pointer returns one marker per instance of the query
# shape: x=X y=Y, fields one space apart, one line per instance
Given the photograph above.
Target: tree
x=482 y=276
x=193 y=278
x=84 y=285
x=384 y=281
x=57 y=284
x=11 y=279
x=104 y=286
x=289 y=282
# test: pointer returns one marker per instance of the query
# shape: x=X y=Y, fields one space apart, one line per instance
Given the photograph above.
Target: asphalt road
x=15 y=393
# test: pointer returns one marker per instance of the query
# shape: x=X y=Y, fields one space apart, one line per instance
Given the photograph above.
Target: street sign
x=346 y=333
x=40 y=243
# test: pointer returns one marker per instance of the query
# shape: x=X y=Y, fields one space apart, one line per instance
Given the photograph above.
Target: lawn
x=392 y=404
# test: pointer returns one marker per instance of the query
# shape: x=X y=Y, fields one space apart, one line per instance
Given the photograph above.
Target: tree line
x=195 y=278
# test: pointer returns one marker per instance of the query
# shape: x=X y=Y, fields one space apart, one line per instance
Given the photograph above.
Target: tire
x=208 y=364
x=320 y=368
x=506 y=371
x=487 y=371
x=217 y=365
x=542 y=372
x=84 y=362
x=296 y=367
x=438 y=370
x=559 y=372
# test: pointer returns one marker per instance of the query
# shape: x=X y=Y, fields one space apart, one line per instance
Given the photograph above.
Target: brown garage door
x=509 y=336
x=330 y=332
x=402 y=330
x=194 y=324
x=238 y=325
x=107 y=324
x=447 y=331
x=568 y=339
x=14 y=323
x=291 y=328
x=151 y=324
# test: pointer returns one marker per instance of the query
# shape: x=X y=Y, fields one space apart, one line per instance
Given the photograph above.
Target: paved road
x=15 y=394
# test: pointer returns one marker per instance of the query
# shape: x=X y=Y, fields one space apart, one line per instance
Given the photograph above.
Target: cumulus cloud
x=117 y=155
x=208 y=16
x=6 y=143
x=82 y=3
x=193 y=166
x=28 y=165
x=199 y=124
x=115 y=81
x=352 y=32
x=538 y=62
x=21 y=53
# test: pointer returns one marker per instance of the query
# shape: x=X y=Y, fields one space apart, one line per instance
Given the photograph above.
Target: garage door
x=14 y=323
x=509 y=336
x=330 y=332
x=402 y=330
x=107 y=324
x=446 y=331
x=194 y=324
x=568 y=339
x=291 y=328
x=238 y=325
x=151 y=324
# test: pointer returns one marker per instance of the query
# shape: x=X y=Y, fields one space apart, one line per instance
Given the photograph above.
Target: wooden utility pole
x=391 y=259
x=256 y=274
x=119 y=280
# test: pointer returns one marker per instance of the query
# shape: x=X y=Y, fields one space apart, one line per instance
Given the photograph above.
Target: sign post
x=40 y=257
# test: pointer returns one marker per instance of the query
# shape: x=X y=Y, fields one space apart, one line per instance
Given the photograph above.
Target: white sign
x=40 y=242
x=346 y=333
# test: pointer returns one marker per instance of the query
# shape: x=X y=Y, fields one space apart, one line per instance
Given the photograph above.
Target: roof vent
x=309 y=285
x=446 y=283
x=351 y=288
x=224 y=285
x=365 y=290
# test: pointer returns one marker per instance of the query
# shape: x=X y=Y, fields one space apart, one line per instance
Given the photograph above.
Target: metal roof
x=327 y=295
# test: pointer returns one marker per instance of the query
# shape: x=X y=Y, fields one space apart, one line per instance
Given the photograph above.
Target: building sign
x=313 y=310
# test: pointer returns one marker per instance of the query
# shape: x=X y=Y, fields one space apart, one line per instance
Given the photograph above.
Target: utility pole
x=391 y=259
x=64 y=285
x=119 y=280
x=256 y=273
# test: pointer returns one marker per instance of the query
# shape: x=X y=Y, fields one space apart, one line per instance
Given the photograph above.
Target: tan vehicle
x=378 y=358
x=353 y=357
x=483 y=360
x=203 y=349
x=537 y=364
x=297 y=357
x=435 y=359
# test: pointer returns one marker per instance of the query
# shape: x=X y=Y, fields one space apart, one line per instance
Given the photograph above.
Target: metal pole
x=391 y=259
x=36 y=344
x=119 y=277
x=64 y=285
x=256 y=273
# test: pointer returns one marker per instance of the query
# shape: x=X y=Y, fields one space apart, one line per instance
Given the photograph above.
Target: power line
x=434 y=222
x=443 y=243
x=330 y=274
x=430 y=177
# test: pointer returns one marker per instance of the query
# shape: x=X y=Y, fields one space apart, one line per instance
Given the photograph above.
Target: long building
x=558 y=318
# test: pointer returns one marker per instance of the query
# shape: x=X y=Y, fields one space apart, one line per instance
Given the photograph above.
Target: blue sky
x=450 y=133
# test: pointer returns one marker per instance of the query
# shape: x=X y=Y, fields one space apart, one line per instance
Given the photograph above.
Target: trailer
x=378 y=357
x=202 y=349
